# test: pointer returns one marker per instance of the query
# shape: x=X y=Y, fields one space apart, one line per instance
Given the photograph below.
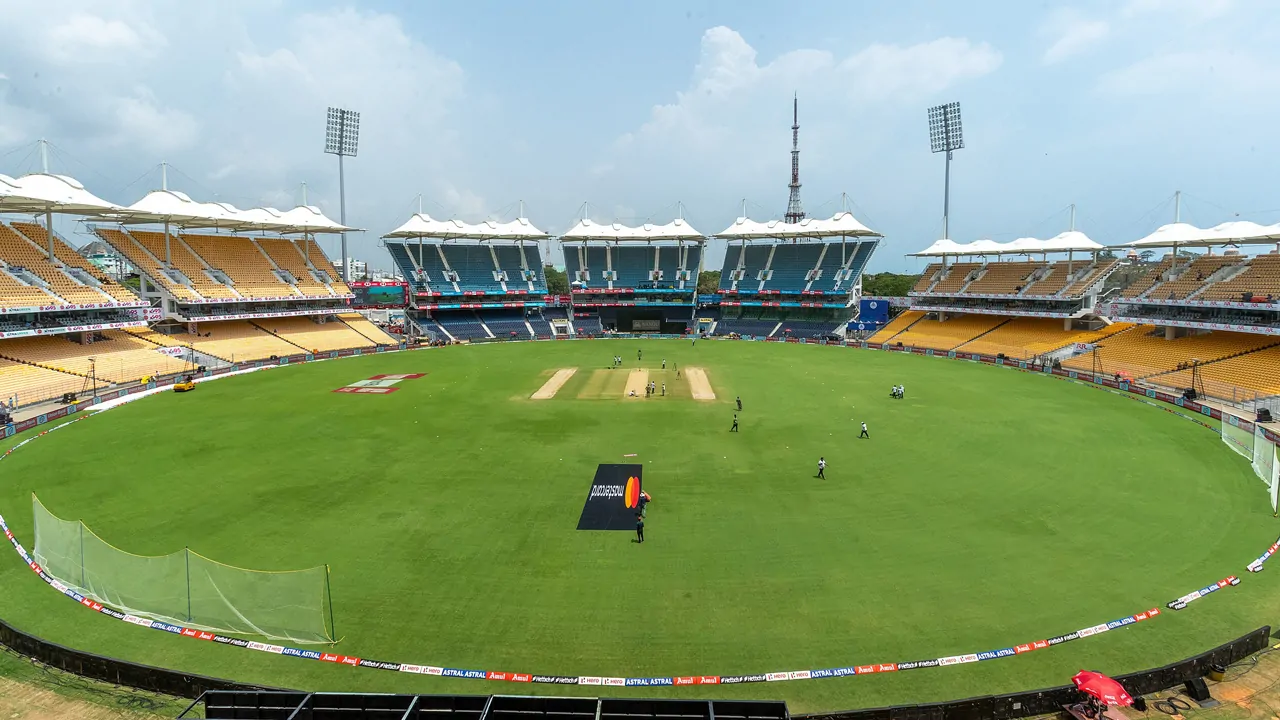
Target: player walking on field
x=822 y=468
x=864 y=434
x=739 y=403
x=735 y=424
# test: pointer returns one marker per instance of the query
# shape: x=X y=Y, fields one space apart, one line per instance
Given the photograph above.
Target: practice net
x=186 y=588
x=1266 y=463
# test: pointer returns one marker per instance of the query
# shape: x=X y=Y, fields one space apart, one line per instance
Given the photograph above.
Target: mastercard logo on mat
x=632 y=494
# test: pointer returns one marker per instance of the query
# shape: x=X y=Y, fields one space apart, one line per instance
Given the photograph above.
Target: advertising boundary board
x=124 y=396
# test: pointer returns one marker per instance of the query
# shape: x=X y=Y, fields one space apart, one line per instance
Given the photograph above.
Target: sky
x=632 y=112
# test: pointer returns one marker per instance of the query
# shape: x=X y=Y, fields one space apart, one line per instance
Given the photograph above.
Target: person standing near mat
x=639 y=528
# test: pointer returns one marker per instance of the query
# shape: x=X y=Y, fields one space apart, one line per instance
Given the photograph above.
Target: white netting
x=185 y=588
x=1266 y=465
x=1237 y=438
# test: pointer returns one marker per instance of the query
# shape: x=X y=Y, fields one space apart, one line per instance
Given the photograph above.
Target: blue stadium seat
x=474 y=265
x=428 y=258
x=462 y=324
x=746 y=326
x=753 y=262
x=588 y=325
x=791 y=264
x=632 y=263
x=505 y=322
x=400 y=255
x=541 y=328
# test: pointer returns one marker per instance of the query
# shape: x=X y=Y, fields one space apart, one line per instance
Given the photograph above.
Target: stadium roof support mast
x=48 y=210
x=795 y=211
x=342 y=138
x=946 y=135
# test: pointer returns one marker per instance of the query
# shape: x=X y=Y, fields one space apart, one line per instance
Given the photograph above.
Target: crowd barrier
x=1051 y=700
x=1144 y=395
x=113 y=671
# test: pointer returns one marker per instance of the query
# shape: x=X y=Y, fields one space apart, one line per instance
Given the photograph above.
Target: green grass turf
x=989 y=507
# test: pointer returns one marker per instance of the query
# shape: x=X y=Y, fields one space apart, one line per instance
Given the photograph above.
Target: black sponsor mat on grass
x=614 y=499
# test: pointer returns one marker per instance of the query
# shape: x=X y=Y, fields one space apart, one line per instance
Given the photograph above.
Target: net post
x=333 y=631
x=187 y=556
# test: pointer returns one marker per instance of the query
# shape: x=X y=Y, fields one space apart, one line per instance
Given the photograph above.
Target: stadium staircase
x=897 y=326
x=159 y=339
x=980 y=335
x=358 y=332
x=1116 y=329
x=1216 y=360
x=42 y=366
x=219 y=276
x=303 y=349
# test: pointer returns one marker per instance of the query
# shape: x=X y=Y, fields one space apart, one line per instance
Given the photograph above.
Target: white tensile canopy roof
x=170 y=206
x=1070 y=241
x=422 y=225
x=45 y=193
x=1236 y=231
x=677 y=229
x=843 y=223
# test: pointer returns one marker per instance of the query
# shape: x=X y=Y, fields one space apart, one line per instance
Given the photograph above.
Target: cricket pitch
x=637 y=381
x=699 y=386
x=553 y=385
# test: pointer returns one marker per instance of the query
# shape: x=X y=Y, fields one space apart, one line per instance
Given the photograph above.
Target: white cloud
x=1073 y=34
x=1196 y=74
x=898 y=73
x=402 y=89
x=716 y=125
x=1188 y=10
x=140 y=120
x=84 y=38
x=464 y=204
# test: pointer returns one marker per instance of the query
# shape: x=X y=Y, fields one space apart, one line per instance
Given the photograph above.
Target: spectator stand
x=472 y=282
x=1219 y=288
x=198 y=266
x=791 y=280
x=990 y=283
x=633 y=279
x=46 y=288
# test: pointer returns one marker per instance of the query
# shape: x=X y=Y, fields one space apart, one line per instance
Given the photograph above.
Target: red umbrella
x=1102 y=687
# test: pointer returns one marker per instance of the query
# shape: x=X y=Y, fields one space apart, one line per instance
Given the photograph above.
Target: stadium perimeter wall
x=1006 y=706
x=996 y=707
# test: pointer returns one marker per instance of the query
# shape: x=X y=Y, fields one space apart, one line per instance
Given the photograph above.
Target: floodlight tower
x=342 y=138
x=945 y=135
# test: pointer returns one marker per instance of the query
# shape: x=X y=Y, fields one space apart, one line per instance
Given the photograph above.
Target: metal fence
x=217 y=705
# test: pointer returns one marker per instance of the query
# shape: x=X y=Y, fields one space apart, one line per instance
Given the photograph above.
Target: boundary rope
x=809 y=674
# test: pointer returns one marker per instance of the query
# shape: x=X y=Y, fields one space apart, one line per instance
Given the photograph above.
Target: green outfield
x=989 y=507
